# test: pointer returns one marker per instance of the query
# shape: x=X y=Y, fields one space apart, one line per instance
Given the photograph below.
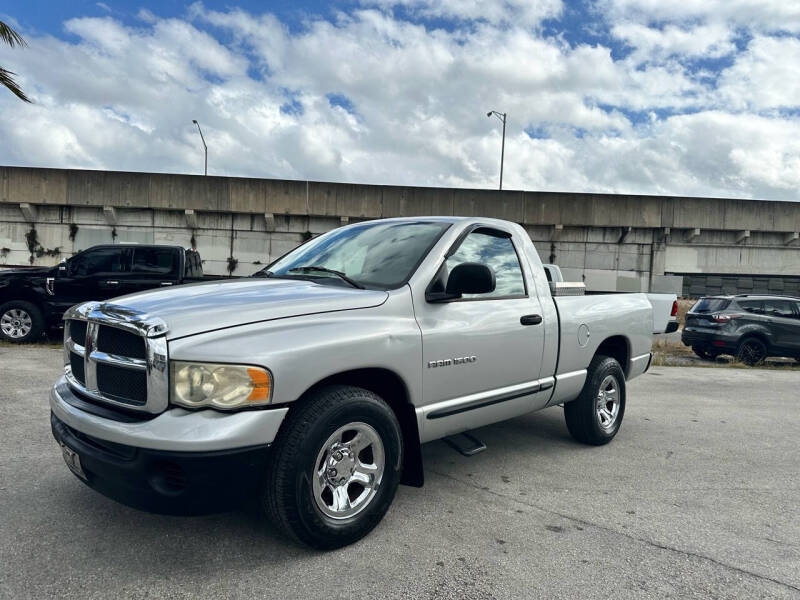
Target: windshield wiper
x=339 y=274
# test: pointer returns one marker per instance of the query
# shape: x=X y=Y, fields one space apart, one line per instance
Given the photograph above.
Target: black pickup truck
x=34 y=299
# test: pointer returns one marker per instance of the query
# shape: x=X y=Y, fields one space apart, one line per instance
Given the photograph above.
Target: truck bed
x=586 y=321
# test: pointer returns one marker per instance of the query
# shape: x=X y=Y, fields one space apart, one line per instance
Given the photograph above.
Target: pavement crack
x=629 y=536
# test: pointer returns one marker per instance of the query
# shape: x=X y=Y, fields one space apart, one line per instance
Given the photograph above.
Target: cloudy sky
x=697 y=97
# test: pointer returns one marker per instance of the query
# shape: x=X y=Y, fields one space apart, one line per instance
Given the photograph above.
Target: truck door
x=482 y=353
x=153 y=266
x=94 y=274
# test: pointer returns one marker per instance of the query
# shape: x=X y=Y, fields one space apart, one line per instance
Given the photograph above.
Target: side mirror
x=466 y=278
x=470 y=278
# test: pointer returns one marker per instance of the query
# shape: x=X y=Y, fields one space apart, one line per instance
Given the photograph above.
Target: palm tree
x=12 y=38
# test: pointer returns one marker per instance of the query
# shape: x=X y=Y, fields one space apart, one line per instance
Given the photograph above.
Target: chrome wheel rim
x=608 y=403
x=16 y=323
x=348 y=471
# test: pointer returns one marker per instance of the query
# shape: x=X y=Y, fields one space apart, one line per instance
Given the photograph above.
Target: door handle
x=110 y=282
x=530 y=319
x=165 y=283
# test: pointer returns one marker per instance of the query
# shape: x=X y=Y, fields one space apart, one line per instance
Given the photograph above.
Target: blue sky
x=696 y=98
x=48 y=16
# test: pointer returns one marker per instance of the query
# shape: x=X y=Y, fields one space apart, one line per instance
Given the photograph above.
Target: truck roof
x=135 y=244
x=441 y=219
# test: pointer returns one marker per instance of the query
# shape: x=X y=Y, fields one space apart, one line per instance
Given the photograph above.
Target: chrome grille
x=122 y=343
x=117 y=356
x=121 y=383
x=76 y=364
x=77 y=331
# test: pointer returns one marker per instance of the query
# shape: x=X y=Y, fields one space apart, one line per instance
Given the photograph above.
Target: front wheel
x=595 y=417
x=335 y=467
x=20 y=322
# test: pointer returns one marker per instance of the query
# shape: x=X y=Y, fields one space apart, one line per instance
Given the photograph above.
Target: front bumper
x=165 y=482
x=175 y=430
x=179 y=462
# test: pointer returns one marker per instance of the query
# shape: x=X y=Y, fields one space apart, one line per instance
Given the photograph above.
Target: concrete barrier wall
x=623 y=242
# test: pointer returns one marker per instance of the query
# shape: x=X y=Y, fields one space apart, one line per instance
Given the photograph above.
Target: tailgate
x=662 y=311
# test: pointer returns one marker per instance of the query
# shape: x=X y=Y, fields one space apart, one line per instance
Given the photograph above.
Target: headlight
x=199 y=385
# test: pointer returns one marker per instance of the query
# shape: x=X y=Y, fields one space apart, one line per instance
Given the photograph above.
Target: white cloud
x=123 y=97
x=525 y=12
x=762 y=15
x=765 y=76
x=652 y=43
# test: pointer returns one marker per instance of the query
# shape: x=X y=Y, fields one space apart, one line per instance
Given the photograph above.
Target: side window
x=498 y=254
x=100 y=260
x=779 y=308
x=154 y=261
x=752 y=306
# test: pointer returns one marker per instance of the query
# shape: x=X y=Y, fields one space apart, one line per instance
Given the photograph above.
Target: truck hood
x=199 y=307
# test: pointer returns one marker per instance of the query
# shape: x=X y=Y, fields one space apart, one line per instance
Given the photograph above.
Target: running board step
x=465 y=444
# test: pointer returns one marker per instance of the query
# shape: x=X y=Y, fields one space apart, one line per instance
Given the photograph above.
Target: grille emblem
x=89 y=365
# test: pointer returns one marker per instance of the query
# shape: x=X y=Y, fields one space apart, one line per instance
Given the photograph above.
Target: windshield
x=708 y=305
x=373 y=255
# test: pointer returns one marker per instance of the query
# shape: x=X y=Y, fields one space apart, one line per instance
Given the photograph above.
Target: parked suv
x=749 y=327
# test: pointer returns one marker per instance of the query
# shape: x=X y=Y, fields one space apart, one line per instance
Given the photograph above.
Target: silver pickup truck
x=310 y=387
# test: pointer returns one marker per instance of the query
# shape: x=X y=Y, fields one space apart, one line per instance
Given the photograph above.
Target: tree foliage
x=12 y=38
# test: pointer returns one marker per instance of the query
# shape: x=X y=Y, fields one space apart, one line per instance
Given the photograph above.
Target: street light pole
x=205 y=148
x=502 y=117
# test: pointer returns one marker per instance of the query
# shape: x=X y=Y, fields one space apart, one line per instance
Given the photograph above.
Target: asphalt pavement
x=697 y=497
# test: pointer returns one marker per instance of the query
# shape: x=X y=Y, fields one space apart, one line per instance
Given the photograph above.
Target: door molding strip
x=455 y=406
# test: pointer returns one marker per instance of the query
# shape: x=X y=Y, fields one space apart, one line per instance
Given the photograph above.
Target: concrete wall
x=612 y=242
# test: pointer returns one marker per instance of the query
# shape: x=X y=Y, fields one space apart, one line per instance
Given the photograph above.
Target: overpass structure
x=692 y=246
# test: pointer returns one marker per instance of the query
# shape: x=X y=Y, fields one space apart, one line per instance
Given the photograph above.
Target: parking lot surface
x=697 y=497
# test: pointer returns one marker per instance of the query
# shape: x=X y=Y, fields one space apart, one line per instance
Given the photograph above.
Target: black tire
x=288 y=495
x=751 y=351
x=583 y=417
x=28 y=317
x=705 y=353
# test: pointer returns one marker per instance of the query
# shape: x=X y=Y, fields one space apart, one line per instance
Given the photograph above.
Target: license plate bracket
x=73 y=461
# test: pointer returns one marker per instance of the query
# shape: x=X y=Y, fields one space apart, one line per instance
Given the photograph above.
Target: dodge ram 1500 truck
x=311 y=386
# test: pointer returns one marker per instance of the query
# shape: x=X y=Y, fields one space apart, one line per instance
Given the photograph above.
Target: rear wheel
x=595 y=417
x=705 y=352
x=751 y=351
x=20 y=322
x=335 y=468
